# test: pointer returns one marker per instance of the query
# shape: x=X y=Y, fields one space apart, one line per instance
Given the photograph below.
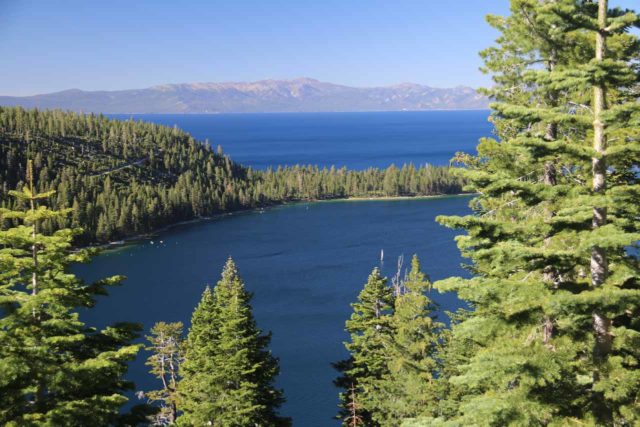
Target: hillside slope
x=124 y=178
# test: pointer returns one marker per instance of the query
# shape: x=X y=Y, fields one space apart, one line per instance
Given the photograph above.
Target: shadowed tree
x=166 y=347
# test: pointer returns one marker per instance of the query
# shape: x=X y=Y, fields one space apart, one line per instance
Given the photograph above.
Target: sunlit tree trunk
x=599 y=267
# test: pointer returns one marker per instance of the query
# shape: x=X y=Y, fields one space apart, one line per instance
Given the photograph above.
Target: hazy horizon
x=267 y=79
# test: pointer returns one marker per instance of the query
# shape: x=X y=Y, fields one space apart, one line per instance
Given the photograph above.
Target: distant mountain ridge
x=297 y=95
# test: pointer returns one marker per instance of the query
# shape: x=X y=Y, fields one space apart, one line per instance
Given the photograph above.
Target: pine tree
x=228 y=371
x=166 y=347
x=409 y=389
x=197 y=389
x=556 y=292
x=370 y=328
x=55 y=370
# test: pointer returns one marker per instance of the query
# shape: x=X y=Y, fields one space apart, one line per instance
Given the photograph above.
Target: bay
x=354 y=140
x=305 y=264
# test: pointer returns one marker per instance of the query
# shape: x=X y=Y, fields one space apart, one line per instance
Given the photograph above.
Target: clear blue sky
x=52 y=45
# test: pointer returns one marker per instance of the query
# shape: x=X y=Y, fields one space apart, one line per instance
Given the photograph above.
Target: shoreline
x=218 y=113
x=131 y=240
x=392 y=198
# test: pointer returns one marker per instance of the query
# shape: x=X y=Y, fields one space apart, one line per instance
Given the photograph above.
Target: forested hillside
x=123 y=178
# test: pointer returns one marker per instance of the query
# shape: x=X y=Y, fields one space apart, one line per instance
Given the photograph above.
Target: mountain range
x=297 y=95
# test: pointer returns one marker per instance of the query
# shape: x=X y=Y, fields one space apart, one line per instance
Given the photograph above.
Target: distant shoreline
x=392 y=198
x=236 y=113
x=132 y=240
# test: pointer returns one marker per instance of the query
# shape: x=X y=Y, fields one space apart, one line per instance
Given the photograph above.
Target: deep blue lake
x=354 y=140
x=304 y=262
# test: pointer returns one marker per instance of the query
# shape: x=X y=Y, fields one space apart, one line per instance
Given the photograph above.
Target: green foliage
x=393 y=361
x=528 y=354
x=228 y=371
x=371 y=329
x=54 y=369
x=409 y=389
x=124 y=178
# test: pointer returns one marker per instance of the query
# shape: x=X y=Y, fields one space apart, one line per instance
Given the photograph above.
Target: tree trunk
x=34 y=256
x=551 y=133
x=550 y=273
x=34 y=231
x=599 y=267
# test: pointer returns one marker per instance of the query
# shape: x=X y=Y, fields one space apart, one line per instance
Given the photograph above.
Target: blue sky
x=55 y=45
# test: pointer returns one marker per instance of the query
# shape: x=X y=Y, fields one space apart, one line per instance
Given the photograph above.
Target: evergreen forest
x=127 y=178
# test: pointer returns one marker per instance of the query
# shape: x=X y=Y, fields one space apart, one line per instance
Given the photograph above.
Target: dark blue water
x=354 y=140
x=305 y=263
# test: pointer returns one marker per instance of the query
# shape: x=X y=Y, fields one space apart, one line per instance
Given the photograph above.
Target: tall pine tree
x=409 y=389
x=370 y=329
x=228 y=372
x=553 y=339
x=54 y=369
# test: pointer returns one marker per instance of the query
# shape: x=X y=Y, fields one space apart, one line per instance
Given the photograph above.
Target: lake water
x=305 y=263
x=354 y=140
